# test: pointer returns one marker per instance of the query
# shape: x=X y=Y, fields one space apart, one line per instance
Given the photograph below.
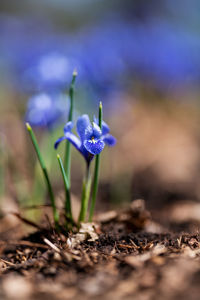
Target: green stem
x=96 y=172
x=67 y=160
x=68 y=211
x=85 y=196
x=45 y=173
x=95 y=187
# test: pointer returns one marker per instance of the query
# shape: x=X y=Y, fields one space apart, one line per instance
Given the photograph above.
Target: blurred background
x=141 y=58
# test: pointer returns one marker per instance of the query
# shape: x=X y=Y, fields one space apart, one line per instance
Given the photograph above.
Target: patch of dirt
x=133 y=258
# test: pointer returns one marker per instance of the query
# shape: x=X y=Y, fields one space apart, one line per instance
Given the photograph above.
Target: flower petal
x=96 y=131
x=105 y=127
x=109 y=140
x=94 y=146
x=92 y=131
x=87 y=155
x=83 y=122
x=58 y=141
x=68 y=127
x=88 y=133
x=73 y=140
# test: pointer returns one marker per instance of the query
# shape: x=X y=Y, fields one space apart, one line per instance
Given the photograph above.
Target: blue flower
x=51 y=72
x=46 y=110
x=91 y=139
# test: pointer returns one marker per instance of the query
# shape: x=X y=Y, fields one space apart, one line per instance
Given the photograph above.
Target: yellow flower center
x=93 y=140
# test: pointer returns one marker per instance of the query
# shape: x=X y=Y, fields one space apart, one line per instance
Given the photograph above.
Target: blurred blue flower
x=109 y=55
x=52 y=71
x=118 y=51
x=91 y=139
x=46 y=110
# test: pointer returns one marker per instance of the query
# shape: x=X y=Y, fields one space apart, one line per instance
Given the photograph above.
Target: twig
x=50 y=244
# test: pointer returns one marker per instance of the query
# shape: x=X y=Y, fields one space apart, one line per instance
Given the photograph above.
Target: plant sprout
x=91 y=140
x=45 y=173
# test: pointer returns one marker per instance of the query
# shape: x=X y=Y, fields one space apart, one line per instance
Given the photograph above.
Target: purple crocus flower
x=91 y=139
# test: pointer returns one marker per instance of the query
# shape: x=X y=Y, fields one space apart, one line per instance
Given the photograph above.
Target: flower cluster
x=116 y=47
x=91 y=139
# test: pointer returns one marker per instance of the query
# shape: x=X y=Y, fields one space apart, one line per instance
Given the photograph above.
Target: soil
x=129 y=255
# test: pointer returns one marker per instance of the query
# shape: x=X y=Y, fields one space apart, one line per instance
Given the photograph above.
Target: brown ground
x=131 y=257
